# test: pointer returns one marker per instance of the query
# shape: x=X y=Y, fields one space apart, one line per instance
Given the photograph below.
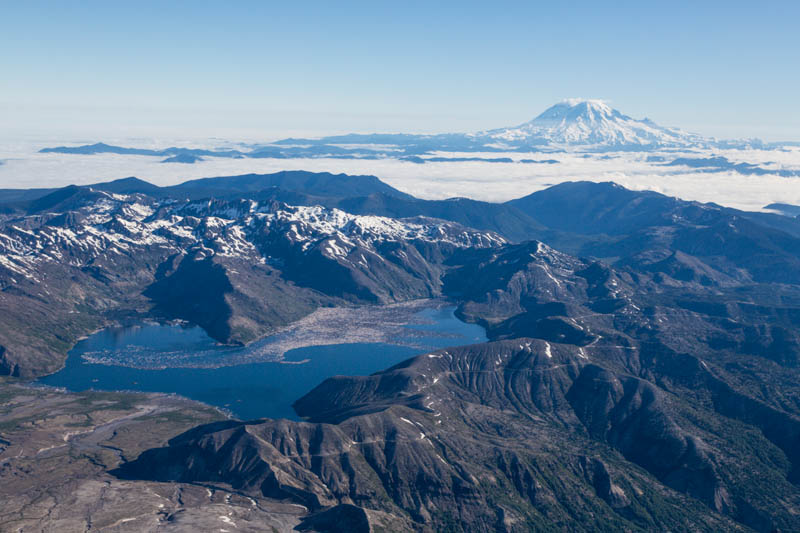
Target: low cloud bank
x=491 y=181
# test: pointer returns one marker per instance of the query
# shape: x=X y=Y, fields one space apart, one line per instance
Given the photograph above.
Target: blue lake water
x=253 y=390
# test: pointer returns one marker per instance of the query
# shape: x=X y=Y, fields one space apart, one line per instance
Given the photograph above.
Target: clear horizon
x=253 y=71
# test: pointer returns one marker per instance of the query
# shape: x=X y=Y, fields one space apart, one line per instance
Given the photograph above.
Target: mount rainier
x=590 y=124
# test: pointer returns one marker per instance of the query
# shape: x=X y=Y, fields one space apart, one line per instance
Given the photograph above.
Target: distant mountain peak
x=577 y=107
x=576 y=110
x=581 y=122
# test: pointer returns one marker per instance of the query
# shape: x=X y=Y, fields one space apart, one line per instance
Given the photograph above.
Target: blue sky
x=254 y=69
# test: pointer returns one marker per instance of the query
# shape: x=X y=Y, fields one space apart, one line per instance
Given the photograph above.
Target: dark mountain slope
x=599 y=208
x=20 y=196
x=508 y=221
x=517 y=435
x=308 y=188
x=531 y=290
x=66 y=199
x=131 y=185
x=743 y=340
x=642 y=228
x=589 y=208
x=788 y=210
x=315 y=183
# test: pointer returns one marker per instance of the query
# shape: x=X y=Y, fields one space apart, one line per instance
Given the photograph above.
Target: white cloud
x=24 y=167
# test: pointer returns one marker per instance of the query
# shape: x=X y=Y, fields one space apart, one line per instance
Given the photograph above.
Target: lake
x=248 y=390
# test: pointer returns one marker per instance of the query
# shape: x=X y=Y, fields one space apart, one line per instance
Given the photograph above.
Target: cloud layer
x=24 y=167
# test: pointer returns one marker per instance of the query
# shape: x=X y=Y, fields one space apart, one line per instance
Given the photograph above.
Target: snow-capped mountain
x=98 y=224
x=590 y=124
x=586 y=125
